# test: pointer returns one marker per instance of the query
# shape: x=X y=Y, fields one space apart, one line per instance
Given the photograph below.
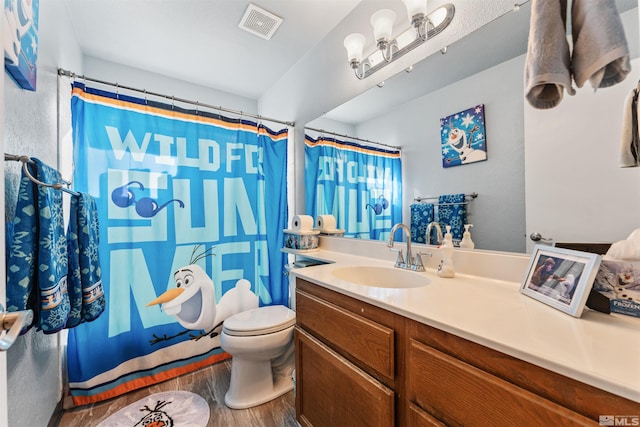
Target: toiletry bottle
x=466 y=241
x=446 y=265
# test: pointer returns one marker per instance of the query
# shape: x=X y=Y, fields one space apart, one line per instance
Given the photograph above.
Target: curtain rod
x=73 y=75
x=352 y=137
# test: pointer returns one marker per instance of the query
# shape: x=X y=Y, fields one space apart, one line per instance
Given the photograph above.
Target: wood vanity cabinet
x=360 y=365
x=459 y=382
x=346 y=360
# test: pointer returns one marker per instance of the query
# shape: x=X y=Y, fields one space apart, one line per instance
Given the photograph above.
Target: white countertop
x=599 y=349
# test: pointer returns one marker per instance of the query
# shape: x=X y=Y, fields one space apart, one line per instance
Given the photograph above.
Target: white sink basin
x=381 y=277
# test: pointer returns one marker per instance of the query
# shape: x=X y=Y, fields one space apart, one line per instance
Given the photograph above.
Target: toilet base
x=253 y=383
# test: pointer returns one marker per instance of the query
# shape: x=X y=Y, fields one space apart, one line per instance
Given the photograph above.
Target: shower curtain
x=173 y=187
x=360 y=185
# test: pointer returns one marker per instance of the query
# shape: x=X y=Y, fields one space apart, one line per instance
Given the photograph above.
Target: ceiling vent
x=260 y=22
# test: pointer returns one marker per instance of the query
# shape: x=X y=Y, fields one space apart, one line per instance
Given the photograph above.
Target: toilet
x=260 y=341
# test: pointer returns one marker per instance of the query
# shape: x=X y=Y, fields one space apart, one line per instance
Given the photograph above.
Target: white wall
x=576 y=192
x=498 y=212
x=116 y=73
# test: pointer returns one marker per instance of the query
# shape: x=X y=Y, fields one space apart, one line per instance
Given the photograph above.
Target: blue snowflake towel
x=93 y=300
x=52 y=253
x=85 y=275
x=421 y=216
x=452 y=211
x=74 y=278
x=22 y=251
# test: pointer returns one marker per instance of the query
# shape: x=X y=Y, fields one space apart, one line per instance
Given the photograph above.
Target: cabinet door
x=331 y=391
x=460 y=394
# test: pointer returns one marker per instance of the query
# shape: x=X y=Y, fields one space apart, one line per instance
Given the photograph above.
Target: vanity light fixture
x=424 y=26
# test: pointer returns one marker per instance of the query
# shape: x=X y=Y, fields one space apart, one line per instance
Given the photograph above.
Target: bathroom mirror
x=484 y=67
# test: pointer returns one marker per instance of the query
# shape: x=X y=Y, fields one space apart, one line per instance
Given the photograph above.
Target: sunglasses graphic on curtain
x=379 y=206
x=146 y=207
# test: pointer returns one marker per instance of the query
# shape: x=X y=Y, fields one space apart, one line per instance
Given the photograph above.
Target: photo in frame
x=463 y=137
x=561 y=278
x=20 y=41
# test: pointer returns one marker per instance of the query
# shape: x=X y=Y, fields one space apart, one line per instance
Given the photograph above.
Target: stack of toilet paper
x=301 y=236
x=619 y=276
x=327 y=224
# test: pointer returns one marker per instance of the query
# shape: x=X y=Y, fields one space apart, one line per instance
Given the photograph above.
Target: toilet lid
x=259 y=321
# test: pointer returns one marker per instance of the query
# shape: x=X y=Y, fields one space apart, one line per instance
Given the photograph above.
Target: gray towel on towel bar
x=600 y=51
x=547 y=65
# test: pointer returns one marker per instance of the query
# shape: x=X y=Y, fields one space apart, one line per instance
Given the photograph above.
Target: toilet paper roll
x=326 y=222
x=302 y=223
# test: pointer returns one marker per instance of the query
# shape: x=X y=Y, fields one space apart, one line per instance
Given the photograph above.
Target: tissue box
x=301 y=240
x=620 y=282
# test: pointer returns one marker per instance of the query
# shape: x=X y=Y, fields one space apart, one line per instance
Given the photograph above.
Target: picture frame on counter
x=560 y=278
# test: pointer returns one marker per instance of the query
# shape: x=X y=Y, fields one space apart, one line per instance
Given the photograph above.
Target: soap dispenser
x=446 y=264
x=466 y=241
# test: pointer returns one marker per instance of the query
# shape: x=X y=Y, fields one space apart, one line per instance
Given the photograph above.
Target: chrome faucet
x=438 y=233
x=400 y=262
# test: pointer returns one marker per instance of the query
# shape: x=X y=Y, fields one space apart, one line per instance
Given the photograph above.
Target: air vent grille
x=260 y=22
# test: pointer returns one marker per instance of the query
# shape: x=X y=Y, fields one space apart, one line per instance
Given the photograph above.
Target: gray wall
x=498 y=213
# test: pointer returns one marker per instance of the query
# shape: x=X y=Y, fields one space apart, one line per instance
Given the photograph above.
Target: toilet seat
x=259 y=321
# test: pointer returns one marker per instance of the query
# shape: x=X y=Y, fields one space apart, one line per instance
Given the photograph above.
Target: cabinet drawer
x=361 y=340
x=331 y=391
x=460 y=394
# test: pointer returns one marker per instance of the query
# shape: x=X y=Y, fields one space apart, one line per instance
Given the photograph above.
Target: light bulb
x=354 y=43
x=415 y=7
x=382 y=23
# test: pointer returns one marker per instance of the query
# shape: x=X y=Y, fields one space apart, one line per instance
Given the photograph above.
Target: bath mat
x=170 y=408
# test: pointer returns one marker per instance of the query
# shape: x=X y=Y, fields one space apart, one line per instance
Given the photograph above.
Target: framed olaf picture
x=463 y=137
x=561 y=278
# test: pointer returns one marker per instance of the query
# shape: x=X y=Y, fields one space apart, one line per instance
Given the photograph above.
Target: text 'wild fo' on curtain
x=192 y=206
x=360 y=185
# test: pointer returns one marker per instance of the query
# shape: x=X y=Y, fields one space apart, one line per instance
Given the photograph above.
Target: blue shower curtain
x=170 y=184
x=360 y=185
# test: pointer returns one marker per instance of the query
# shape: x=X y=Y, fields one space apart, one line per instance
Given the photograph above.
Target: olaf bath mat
x=171 y=408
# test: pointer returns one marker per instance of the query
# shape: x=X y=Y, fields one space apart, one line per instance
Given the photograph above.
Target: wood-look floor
x=211 y=383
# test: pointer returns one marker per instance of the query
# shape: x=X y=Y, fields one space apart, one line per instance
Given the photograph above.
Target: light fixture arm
x=387 y=49
x=360 y=68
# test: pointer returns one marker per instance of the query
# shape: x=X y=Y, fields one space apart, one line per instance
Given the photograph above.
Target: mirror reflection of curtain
x=174 y=188
x=360 y=185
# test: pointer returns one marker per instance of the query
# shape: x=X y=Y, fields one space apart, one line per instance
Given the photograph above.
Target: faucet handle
x=400 y=259
x=417 y=262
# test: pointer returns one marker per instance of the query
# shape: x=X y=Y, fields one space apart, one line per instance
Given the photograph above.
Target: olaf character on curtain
x=192 y=302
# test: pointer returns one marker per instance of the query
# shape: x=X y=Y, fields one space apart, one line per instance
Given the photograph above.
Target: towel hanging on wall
x=547 y=64
x=37 y=268
x=86 y=293
x=600 y=53
x=452 y=211
x=421 y=216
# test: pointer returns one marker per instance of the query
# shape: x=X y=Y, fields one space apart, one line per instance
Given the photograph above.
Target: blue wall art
x=463 y=137
x=20 y=41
